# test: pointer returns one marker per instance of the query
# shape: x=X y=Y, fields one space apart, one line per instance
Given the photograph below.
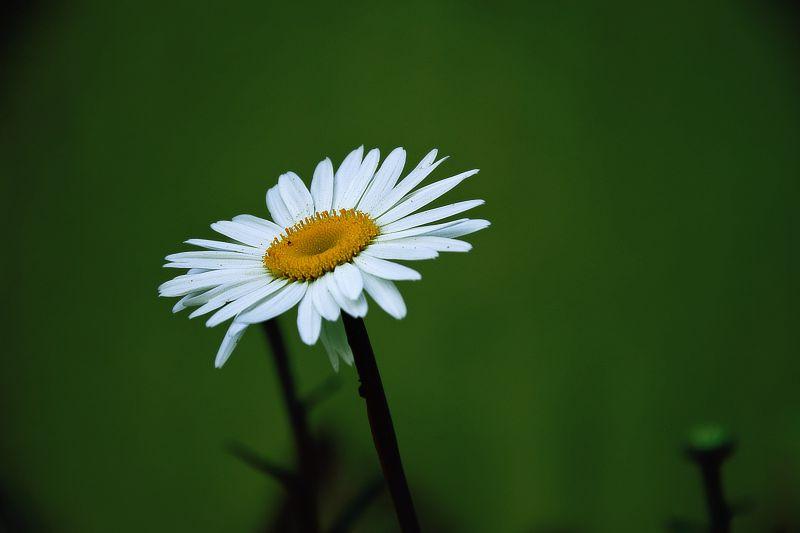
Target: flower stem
x=380 y=421
x=718 y=511
x=709 y=450
x=305 y=490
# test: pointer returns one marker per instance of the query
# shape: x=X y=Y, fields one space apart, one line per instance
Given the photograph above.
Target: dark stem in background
x=355 y=509
x=709 y=459
x=305 y=490
x=380 y=421
x=718 y=512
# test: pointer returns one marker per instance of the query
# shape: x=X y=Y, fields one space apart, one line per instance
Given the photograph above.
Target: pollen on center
x=319 y=243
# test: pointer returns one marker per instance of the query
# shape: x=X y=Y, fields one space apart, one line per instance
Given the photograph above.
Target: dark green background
x=640 y=167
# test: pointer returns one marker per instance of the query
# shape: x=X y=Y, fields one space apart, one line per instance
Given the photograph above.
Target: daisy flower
x=323 y=249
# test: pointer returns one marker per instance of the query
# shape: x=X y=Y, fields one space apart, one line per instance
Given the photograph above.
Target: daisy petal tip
x=310 y=340
x=220 y=360
x=398 y=311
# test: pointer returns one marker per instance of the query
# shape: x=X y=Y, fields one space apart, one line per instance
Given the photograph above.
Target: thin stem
x=709 y=460
x=718 y=512
x=380 y=421
x=263 y=464
x=357 y=506
x=305 y=495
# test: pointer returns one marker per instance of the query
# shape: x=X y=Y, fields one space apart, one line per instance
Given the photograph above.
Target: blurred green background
x=640 y=166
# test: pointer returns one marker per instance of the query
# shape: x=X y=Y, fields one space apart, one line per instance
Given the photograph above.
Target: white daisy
x=323 y=249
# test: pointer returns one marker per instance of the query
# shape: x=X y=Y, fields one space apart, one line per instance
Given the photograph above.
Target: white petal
x=217 y=264
x=239 y=305
x=385 y=269
x=185 y=302
x=333 y=355
x=322 y=186
x=216 y=298
x=323 y=301
x=419 y=230
x=422 y=197
x=431 y=215
x=440 y=244
x=334 y=339
x=384 y=180
x=356 y=308
x=209 y=254
x=200 y=298
x=280 y=213
x=245 y=234
x=207 y=308
x=229 y=246
x=407 y=184
x=280 y=302
x=386 y=295
x=309 y=321
x=345 y=174
x=181 y=304
x=359 y=306
x=295 y=196
x=348 y=278
x=229 y=342
x=267 y=226
x=402 y=251
x=462 y=228
x=360 y=181
x=187 y=283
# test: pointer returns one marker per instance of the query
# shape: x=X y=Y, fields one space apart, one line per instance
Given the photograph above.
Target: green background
x=640 y=167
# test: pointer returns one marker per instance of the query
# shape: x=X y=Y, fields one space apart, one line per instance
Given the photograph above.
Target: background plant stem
x=719 y=514
x=305 y=490
x=380 y=421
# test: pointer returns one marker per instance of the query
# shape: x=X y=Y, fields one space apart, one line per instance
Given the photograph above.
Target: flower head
x=324 y=248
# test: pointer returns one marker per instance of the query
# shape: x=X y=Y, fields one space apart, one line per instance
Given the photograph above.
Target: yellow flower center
x=319 y=243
